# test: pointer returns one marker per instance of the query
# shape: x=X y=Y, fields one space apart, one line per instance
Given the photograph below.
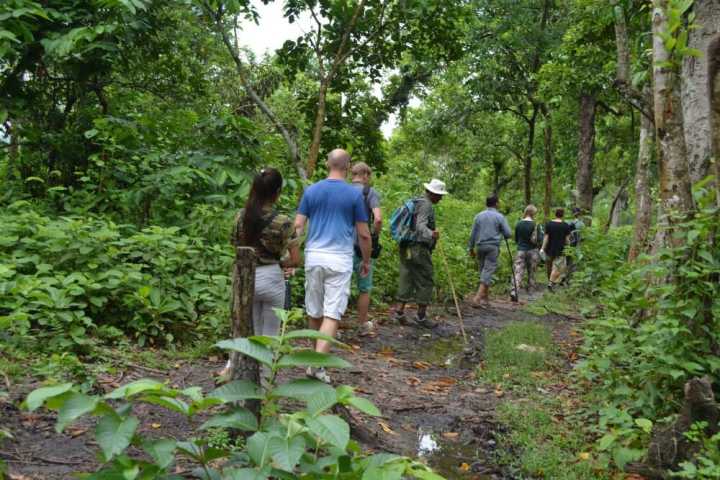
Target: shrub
x=68 y=279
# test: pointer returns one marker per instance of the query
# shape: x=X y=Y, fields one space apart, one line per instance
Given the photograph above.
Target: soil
x=422 y=380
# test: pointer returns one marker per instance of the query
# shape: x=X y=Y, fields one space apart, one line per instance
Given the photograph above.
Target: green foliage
x=706 y=464
x=655 y=328
x=69 y=281
x=305 y=443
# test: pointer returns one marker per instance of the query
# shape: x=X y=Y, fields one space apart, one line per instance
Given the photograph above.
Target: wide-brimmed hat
x=436 y=186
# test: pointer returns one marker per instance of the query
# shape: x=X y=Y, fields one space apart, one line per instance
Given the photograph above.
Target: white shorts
x=326 y=292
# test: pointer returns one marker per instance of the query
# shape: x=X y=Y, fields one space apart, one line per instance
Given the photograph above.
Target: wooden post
x=243 y=367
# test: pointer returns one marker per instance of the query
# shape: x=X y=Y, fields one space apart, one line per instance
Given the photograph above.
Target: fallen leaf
x=420 y=365
x=386 y=428
x=499 y=393
x=155 y=425
x=450 y=435
x=75 y=431
x=213 y=358
x=584 y=455
x=386 y=352
x=413 y=381
x=446 y=381
x=464 y=467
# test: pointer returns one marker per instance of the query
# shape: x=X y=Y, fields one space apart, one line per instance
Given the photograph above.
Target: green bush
x=66 y=280
x=656 y=327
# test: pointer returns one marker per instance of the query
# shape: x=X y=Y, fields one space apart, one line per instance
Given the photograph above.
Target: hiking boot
x=400 y=318
x=425 y=322
x=318 y=374
x=513 y=297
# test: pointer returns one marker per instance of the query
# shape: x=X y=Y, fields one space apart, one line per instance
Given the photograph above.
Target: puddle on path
x=447 y=458
x=445 y=352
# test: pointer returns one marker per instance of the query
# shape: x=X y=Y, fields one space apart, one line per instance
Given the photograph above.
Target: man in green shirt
x=416 y=268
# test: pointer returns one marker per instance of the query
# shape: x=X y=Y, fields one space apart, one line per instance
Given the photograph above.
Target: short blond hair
x=360 y=168
x=530 y=211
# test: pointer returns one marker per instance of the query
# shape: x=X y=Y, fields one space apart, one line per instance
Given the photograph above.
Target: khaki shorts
x=326 y=292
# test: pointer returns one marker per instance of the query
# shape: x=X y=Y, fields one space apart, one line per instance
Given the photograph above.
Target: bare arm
x=377 y=224
x=364 y=240
x=300 y=221
x=293 y=259
x=546 y=240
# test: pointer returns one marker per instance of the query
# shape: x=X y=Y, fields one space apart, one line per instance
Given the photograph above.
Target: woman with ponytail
x=272 y=235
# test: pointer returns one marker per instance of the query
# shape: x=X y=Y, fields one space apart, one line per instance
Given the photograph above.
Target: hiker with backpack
x=489 y=229
x=557 y=235
x=528 y=237
x=335 y=211
x=361 y=173
x=413 y=227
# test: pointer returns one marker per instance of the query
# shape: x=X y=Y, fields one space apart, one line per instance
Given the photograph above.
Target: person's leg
x=404 y=282
x=364 y=285
x=549 y=266
x=519 y=265
x=314 y=293
x=559 y=270
x=337 y=292
x=532 y=261
x=491 y=254
x=425 y=284
x=482 y=288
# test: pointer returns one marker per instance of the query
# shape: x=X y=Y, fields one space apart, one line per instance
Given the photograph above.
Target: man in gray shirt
x=489 y=229
x=361 y=180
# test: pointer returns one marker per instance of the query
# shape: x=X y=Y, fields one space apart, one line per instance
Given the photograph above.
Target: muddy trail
x=422 y=380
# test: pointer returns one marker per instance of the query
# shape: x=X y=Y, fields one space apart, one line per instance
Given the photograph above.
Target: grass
x=518 y=355
x=543 y=438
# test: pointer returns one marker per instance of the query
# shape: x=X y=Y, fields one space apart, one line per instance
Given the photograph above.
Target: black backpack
x=375 y=236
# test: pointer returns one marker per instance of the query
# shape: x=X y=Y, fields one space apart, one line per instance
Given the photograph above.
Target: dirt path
x=423 y=382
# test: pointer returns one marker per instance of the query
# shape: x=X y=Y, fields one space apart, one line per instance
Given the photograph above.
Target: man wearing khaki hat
x=416 y=268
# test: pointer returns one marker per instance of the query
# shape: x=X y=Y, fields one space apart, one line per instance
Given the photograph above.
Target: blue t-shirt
x=333 y=207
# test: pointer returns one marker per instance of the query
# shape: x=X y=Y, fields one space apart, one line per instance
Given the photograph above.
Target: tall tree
x=675 y=193
x=586 y=151
x=696 y=87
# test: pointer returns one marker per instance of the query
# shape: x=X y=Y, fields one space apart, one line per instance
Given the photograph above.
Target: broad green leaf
x=364 y=405
x=248 y=347
x=301 y=389
x=606 y=440
x=311 y=358
x=243 y=474
x=257 y=447
x=114 y=434
x=77 y=405
x=331 y=429
x=321 y=401
x=286 y=452
x=38 y=397
x=240 y=418
x=162 y=451
x=133 y=388
x=169 y=403
x=313 y=334
x=190 y=449
x=425 y=474
x=388 y=471
x=237 y=390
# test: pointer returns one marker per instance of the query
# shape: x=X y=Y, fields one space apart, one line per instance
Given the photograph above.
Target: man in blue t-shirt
x=336 y=210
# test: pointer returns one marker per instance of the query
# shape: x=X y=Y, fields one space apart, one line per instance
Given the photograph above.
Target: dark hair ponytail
x=265 y=187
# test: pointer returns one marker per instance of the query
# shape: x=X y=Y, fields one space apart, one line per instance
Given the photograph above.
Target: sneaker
x=513 y=297
x=425 y=322
x=367 y=328
x=318 y=374
x=551 y=287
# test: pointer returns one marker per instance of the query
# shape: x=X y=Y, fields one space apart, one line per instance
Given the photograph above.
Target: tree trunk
x=527 y=167
x=675 y=193
x=696 y=89
x=586 y=152
x=643 y=198
x=549 y=164
x=619 y=205
x=317 y=129
x=243 y=367
x=714 y=55
x=622 y=45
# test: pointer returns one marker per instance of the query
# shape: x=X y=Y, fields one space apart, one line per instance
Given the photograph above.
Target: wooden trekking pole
x=452 y=289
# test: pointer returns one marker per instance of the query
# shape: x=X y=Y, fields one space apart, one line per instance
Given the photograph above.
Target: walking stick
x=452 y=288
x=512 y=272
